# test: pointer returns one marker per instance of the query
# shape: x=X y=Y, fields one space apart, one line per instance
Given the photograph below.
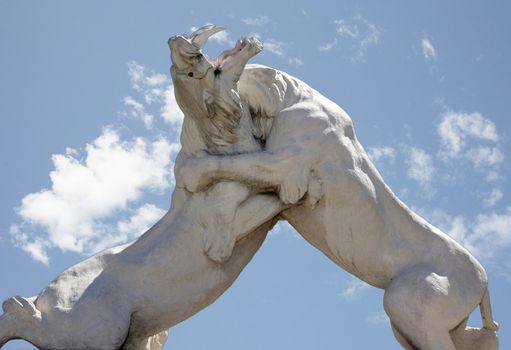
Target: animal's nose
x=171 y=40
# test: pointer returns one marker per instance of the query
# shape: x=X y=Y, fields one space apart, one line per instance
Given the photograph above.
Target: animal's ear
x=201 y=35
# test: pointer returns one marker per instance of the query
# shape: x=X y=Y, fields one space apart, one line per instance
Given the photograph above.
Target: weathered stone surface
x=259 y=145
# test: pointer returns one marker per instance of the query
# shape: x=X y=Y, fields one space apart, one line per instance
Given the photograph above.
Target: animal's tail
x=486 y=314
x=485 y=338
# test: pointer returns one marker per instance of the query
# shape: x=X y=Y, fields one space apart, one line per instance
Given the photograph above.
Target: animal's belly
x=350 y=226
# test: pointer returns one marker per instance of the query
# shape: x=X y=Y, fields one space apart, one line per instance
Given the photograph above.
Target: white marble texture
x=259 y=145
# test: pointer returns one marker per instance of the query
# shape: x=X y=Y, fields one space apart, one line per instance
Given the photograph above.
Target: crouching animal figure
x=126 y=297
x=309 y=149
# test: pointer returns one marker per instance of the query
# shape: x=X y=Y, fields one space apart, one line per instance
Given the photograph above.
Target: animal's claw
x=218 y=247
x=294 y=186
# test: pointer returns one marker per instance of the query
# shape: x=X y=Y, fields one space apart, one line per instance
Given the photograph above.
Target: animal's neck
x=211 y=138
x=242 y=140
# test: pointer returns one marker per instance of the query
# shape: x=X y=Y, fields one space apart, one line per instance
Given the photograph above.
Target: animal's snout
x=171 y=41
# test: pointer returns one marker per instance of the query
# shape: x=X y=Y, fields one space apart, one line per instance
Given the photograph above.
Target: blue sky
x=89 y=129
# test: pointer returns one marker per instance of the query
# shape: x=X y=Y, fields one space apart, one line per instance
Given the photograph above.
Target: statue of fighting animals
x=128 y=296
x=309 y=155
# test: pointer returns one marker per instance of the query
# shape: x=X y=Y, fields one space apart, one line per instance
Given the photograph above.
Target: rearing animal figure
x=431 y=282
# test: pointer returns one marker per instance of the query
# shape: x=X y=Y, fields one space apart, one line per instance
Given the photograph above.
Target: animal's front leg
x=282 y=172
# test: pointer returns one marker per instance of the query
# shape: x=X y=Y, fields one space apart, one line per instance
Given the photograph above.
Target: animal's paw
x=21 y=307
x=193 y=174
x=294 y=186
x=218 y=246
x=254 y=46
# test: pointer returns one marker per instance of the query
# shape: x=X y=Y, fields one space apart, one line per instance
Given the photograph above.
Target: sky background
x=89 y=130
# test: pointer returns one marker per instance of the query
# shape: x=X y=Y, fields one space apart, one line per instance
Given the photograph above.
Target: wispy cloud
x=486 y=235
x=155 y=89
x=353 y=290
x=492 y=198
x=359 y=33
x=345 y=29
x=87 y=189
x=428 y=50
x=137 y=110
x=94 y=198
x=382 y=153
x=278 y=48
x=329 y=46
x=148 y=83
x=420 y=166
x=470 y=136
x=258 y=21
x=295 y=61
x=274 y=46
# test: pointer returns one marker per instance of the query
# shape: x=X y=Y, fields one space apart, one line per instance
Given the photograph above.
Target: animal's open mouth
x=227 y=54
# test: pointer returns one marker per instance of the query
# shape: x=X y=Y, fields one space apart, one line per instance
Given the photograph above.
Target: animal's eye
x=190 y=74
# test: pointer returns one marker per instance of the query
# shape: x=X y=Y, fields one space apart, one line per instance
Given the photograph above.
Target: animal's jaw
x=244 y=49
x=231 y=63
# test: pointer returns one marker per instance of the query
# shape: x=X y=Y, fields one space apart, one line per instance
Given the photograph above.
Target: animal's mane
x=263 y=89
x=260 y=96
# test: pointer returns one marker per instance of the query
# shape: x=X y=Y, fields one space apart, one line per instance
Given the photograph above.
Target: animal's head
x=205 y=89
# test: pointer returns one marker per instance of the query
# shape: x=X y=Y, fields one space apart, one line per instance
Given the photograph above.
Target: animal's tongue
x=228 y=53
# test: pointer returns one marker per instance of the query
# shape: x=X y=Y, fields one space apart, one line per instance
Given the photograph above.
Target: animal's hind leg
x=421 y=307
x=401 y=339
x=7 y=328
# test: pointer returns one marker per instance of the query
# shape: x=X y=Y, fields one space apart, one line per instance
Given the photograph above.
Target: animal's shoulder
x=259 y=73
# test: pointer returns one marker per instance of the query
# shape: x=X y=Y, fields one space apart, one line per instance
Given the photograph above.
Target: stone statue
x=259 y=145
x=127 y=297
x=339 y=202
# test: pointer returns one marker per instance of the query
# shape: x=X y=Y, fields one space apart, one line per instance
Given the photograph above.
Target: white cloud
x=354 y=289
x=491 y=233
x=138 y=111
x=470 y=136
x=35 y=248
x=130 y=228
x=88 y=189
x=222 y=38
x=486 y=235
x=456 y=127
x=295 y=61
x=483 y=157
x=493 y=198
x=256 y=21
x=420 y=166
x=157 y=89
x=344 y=29
x=329 y=46
x=372 y=37
x=170 y=110
x=150 y=84
x=140 y=221
x=278 y=48
x=358 y=32
x=428 y=50
x=275 y=47
x=381 y=153
x=93 y=201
